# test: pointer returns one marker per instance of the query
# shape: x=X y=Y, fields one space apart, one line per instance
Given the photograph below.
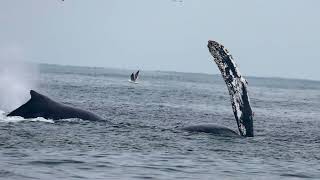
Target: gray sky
x=277 y=38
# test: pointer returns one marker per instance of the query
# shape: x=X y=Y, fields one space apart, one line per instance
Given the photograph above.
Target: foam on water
x=134 y=82
x=13 y=119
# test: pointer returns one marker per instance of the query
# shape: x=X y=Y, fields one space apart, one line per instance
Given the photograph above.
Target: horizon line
x=173 y=71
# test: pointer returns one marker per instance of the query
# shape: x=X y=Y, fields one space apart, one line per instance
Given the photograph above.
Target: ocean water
x=141 y=137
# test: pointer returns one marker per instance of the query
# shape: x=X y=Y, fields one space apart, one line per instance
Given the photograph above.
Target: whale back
x=237 y=87
x=42 y=106
x=211 y=129
x=37 y=106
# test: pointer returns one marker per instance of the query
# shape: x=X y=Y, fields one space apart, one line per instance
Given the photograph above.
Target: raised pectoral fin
x=237 y=87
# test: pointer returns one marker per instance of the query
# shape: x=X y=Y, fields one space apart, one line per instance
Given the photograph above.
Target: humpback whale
x=238 y=91
x=134 y=77
x=42 y=106
x=212 y=129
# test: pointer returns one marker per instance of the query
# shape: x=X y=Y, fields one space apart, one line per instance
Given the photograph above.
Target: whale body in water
x=238 y=91
x=211 y=129
x=42 y=106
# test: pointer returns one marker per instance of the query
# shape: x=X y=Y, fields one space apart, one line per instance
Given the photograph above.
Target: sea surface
x=141 y=137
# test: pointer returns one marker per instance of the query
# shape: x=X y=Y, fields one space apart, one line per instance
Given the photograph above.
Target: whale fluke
x=136 y=75
x=132 y=77
x=237 y=87
x=42 y=106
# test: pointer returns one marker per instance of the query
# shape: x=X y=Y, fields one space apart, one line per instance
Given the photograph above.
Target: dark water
x=141 y=138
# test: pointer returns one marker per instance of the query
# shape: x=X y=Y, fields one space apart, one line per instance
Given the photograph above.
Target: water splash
x=13 y=119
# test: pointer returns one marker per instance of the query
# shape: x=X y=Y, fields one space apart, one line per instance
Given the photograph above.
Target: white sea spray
x=17 y=78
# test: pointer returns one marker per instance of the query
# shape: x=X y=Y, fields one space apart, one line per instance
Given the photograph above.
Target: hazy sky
x=278 y=38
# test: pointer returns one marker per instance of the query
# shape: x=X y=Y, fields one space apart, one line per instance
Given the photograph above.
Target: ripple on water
x=298 y=175
x=4 y=173
x=56 y=162
x=12 y=175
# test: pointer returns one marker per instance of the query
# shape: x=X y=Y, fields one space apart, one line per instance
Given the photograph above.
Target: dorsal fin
x=36 y=95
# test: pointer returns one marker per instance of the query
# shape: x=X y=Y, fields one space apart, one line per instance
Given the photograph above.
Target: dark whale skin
x=42 y=106
x=238 y=91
